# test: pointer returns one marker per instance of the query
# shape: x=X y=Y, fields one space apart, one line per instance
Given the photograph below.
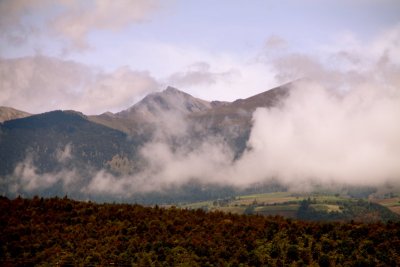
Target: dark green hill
x=358 y=210
x=60 y=139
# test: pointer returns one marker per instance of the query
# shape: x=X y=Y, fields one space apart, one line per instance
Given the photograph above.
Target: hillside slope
x=7 y=113
x=60 y=139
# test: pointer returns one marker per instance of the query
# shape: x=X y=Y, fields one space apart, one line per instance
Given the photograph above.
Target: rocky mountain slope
x=7 y=113
x=153 y=110
x=175 y=109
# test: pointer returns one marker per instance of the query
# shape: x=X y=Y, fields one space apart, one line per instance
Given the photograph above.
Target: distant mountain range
x=51 y=142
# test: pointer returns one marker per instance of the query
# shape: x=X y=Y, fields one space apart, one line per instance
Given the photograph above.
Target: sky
x=98 y=56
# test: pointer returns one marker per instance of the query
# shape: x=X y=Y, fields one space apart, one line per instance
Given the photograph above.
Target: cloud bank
x=328 y=138
x=27 y=178
x=39 y=84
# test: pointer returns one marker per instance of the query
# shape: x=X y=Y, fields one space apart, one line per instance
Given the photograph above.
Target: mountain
x=233 y=120
x=230 y=120
x=171 y=99
x=68 y=141
x=7 y=113
x=143 y=117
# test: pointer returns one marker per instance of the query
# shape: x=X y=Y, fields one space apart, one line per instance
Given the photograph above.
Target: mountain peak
x=169 y=100
x=171 y=89
x=174 y=92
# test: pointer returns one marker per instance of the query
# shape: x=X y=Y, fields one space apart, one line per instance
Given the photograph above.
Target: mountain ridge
x=158 y=103
x=265 y=98
x=111 y=143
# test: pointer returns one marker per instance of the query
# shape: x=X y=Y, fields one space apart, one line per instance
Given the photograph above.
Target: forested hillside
x=64 y=232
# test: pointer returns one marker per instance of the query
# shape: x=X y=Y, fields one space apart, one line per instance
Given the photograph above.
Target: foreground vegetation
x=63 y=232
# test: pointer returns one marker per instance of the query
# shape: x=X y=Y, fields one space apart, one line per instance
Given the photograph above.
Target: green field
x=267 y=198
x=275 y=203
x=392 y=203
x=319 y=206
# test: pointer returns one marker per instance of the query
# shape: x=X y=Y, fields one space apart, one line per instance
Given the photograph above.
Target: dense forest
x=64 y=232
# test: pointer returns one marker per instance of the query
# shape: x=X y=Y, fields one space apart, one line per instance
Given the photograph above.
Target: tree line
x=64 y=232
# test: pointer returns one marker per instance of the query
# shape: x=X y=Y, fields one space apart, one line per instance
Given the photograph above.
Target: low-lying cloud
x=317 y=135
x=27 y=178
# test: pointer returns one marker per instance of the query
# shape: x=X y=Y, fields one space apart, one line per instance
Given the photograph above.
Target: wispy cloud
x=27 y=179
x=199 y=74
x=72 y=21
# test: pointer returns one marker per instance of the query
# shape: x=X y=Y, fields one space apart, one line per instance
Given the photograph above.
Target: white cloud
x=80 y=18
x=224 y=78
x=39 y=84
x=104 y=183
x=198 y=74
x=319 y=136
x=167 y=167
x=26 y=178
x=64 y=154
x=275 y=42
x=71 y=20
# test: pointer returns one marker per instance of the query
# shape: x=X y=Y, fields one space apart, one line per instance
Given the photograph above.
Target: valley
x=152 y=133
